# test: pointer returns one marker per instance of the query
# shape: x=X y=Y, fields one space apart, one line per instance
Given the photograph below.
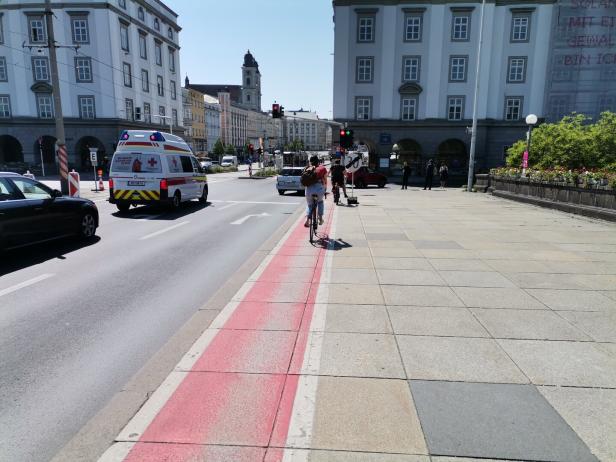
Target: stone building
x=119 y=69
x=315 y=133
x=194 y=119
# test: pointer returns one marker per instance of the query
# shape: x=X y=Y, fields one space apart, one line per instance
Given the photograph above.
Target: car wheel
x=281 y=192
x=88 y=225
x=176 y=201
x=381 y=184
x=123 y=207
x=203 y=198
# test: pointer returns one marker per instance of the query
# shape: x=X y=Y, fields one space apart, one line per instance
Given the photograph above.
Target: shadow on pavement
x=15 y=260
x=153 y=212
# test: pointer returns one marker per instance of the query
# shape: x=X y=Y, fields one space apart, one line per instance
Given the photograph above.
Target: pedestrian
x=429 y=175
x=406 y=171
x=444 y=175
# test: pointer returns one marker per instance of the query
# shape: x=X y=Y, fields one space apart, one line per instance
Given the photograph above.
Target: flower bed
x=602 y=178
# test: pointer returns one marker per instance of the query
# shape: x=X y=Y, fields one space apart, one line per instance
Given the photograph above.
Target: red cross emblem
x=152 y=162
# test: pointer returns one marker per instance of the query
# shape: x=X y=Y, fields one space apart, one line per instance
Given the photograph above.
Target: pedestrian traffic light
x=346 y=138
x=276 y=111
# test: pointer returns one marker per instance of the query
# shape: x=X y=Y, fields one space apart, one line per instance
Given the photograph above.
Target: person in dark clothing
x=337 y=173
x=429 y=175
x=406 y=171
x=444 y=174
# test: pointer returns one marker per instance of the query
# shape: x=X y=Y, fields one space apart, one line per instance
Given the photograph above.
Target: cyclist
x=337 y=174
x=318 y=187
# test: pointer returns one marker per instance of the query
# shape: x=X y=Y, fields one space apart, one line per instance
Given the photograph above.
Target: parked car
x=228 y=161
x=206 y=163
x=289 y=180
x=31 y=212
x=365 y=177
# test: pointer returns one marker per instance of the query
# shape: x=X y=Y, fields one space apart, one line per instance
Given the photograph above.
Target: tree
x=229 y=149
x=571 y=143
x=219 y=149
x=295 y=145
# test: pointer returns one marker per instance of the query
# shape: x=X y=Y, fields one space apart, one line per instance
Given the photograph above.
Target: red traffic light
x=250 y=146
x=342 y=133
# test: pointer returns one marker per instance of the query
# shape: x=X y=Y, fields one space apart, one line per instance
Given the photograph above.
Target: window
x=5 y=106
x=247 y=81
x=174 y=117
x=86 y=107
x=517 y=70
x=409 y=107
x=143 y=46
x=158 y=53
x=81 y=33
x=124 y=37
x=170 y=33
x=365 y=28
x=172 y=89
x=160 y=86
x=156 y=24
x=559 y=107
x=3 y=74
x=364 y=69
x=363 y=107
x=31 y=189
x=171 y=60
x=1 y=31
x=147 y=113
x=44 y=103
x=457 y=68
x=40 y=69
x=513 y=107
x=36 y=25
x=455 y=107
x=83 y=69
x=128 y=79
x=145 y=81
x=161 y=112
x=460 y=27
x=248 y=98
x=520 y=27
x=141 y=14
x=412 y=27
x=129 y=109
x=122 y=3
x=410 y=68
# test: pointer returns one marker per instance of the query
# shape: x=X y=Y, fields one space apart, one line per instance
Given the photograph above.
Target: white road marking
x=256 y=202
x=244 y=219
x=233 y=204
x=162 y=231
x=100 y=200
x=27 y=283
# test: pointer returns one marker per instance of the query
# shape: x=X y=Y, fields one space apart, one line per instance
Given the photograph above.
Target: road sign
x=94 y=158
x=353 y=161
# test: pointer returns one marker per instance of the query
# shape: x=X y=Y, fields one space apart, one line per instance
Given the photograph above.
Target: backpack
x=309 y=176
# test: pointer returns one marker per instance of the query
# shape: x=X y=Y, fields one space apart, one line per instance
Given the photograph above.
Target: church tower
x=251 y=83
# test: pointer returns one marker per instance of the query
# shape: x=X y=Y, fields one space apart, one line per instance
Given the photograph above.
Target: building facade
x=118 y=69
x=306 y=126
x=212 y=121
x=194 y=119
x=404 y=74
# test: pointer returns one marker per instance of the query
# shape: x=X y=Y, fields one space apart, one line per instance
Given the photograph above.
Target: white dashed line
x=27 y=283
x=162 y=231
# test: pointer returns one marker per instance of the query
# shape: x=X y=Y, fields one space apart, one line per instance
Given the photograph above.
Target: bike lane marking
x=227 y=389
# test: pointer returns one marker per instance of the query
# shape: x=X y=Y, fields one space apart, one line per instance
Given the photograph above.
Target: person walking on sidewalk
x=443 y=172
x=317 y=174
x=429 y=175
x=406 y=171
x=337 y=174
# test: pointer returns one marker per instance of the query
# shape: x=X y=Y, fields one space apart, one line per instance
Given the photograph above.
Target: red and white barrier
x=73 y=184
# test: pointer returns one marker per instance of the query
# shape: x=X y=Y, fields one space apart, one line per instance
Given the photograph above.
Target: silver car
x=289 y=179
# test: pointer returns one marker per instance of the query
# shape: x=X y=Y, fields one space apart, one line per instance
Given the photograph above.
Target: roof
x=213 y=90
x=250 y=61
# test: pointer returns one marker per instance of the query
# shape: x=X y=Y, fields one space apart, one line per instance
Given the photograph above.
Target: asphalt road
x=77 y=321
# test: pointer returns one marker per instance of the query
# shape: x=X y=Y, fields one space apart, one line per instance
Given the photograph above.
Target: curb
x=99 y=433
x=254 y=177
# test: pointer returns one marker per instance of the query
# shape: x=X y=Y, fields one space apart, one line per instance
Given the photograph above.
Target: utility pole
x=471 y=160
x=57 y=100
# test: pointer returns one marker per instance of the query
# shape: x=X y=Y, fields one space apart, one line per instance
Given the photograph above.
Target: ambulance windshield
x=135 y=162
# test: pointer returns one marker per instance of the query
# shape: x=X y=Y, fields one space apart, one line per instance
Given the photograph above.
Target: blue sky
x=291 y=39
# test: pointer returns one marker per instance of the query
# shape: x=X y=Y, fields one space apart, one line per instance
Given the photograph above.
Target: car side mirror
x=56 y=193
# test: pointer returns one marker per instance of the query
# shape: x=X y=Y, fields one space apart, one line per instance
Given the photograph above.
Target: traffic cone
x=101 y=184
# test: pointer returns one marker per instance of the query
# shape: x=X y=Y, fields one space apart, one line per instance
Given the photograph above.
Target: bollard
x=73 y=184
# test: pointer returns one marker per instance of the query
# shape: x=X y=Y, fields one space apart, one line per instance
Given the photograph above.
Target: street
x=79 y=320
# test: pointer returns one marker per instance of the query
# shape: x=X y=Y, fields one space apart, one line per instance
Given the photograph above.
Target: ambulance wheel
x=123 y=207
x=176 y=201
x=203 y=198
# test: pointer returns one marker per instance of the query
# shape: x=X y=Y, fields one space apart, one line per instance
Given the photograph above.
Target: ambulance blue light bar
x=124 y=136
x=157 y=136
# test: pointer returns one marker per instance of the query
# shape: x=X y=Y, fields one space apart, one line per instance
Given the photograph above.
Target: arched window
x=170 y=33
x=141 y=14
x=156 y=24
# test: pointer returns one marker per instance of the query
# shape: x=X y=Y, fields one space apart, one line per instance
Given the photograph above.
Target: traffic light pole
x=57 y=100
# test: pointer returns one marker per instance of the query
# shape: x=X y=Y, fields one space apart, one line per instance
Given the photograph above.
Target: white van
x=228 y=161
x=151 y=167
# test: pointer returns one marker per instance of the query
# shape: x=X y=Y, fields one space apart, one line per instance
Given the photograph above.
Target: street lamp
x=531 y=121
x=395 y=149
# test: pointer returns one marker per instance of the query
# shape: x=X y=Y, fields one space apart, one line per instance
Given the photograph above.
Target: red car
x=366 y=176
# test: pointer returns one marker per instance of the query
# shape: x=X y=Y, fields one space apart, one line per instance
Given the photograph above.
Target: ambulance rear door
x=136 y=175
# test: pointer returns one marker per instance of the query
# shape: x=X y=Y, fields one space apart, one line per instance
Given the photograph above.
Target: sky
x=292 y=40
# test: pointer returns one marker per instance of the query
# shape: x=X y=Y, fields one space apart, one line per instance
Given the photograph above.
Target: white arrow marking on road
x=27 y=283
x=242 y=220
x=158 y=233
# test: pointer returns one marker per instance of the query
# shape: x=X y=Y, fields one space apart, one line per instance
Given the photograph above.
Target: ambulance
x=150 y=167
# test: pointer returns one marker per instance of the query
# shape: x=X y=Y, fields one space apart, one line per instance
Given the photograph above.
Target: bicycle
x=336 y=193
x=314 y=223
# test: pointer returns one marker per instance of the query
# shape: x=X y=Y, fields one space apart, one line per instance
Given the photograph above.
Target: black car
x=31 y=212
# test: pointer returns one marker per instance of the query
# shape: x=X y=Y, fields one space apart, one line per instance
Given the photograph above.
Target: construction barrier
x=73 y=184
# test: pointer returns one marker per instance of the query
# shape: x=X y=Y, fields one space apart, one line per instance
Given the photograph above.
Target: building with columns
x=404 y=74
x=119 y=68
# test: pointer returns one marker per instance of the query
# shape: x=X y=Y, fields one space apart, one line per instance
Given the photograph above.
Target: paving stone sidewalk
x=464 y=327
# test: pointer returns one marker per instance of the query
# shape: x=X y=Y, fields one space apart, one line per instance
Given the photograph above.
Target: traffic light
x=251 y=149
x=259 y=151
x=276 y=111
x=346 y=138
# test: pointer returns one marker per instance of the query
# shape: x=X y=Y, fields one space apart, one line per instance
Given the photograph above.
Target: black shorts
x=338 y=179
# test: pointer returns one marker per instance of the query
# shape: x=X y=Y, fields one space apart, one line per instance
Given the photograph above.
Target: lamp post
x=531 y=121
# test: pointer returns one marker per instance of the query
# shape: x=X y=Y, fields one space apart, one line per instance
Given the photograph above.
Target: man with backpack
x=337 y=174
x=314 y=179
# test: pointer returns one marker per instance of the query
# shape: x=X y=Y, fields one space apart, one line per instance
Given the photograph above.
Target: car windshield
x=290 y=172
x=135 y=162
x=32 y=189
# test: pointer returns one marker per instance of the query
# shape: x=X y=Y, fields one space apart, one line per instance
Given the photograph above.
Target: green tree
x=219 y=149
x=603 y=135
x=295 y=145
x=229 y=149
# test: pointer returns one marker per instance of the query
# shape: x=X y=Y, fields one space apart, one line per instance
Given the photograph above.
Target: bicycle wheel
x=313 y=221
